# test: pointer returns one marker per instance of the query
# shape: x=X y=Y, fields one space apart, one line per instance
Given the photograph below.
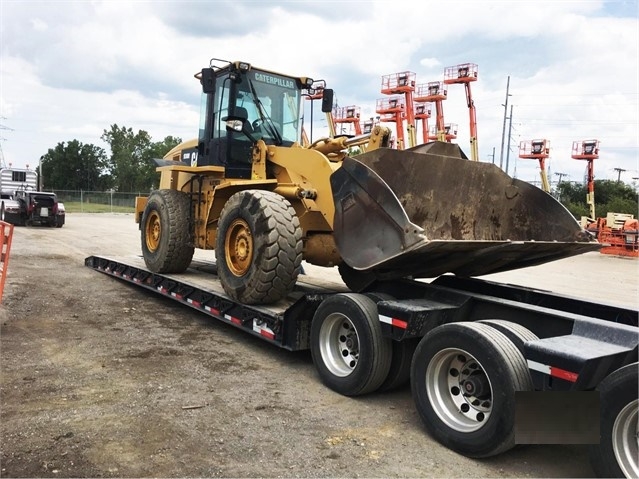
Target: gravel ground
x=100 y=379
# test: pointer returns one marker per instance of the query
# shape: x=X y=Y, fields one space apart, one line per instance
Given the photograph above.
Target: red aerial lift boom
x=434 y=92
x=537 y=150
x=402 y=83
x=466 y=73
x=392 y=110
x=588 y=150
x=348 y=115
x=422 y=112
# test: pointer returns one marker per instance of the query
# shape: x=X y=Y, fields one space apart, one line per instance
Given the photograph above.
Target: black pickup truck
x=29 y=207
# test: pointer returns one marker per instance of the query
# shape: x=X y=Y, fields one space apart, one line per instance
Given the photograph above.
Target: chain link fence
x=98 y=201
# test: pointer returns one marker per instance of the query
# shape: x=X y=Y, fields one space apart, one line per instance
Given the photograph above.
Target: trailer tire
x=616 y=455
x=351 y=355
x=401 y=356
x=517 y=334
x=259 y=247
x=167 y=237
x=463 y=380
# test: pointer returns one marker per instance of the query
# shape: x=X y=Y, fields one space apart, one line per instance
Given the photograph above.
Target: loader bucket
x=428 y=210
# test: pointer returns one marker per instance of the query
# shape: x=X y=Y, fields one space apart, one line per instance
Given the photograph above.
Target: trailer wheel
x=617 y=453
x=463 y=380
x=167 y=239
x=401 y=357
x=258 y=247
x=349 y=351
x=517 y=334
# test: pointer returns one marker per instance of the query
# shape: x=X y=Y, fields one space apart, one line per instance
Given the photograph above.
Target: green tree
x=157 y=150
x=128 y=164
x=75 y=166
x=132 y=156
x=610 y=197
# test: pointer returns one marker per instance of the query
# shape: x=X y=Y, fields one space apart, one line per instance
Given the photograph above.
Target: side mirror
x=327 y=100
x=207 y=80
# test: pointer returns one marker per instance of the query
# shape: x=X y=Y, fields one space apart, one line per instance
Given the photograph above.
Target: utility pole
x=503 y=130
x=510 y=129
x=619 y=171
x=560 y=175
x=3 y=127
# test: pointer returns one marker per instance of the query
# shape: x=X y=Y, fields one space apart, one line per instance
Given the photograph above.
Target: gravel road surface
x=100 y=379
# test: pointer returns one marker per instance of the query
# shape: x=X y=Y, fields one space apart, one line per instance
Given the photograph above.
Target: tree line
x=610 y=197
x=129 y=168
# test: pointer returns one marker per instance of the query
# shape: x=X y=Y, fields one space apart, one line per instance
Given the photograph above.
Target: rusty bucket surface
x=429 y=210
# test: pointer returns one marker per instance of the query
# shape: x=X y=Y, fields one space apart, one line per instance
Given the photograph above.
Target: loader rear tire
x=167 y=237
x=259 y=247
x=349 y=351
x=464 y=377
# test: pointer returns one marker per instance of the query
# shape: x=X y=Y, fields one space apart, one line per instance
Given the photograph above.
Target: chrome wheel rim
x=625 y=437
x=339 y=344
x=459 y=390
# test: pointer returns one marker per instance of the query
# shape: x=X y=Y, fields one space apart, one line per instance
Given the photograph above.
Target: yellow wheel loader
x=248 y=189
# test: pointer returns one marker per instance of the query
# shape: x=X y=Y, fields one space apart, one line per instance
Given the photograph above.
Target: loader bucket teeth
x=428 y=210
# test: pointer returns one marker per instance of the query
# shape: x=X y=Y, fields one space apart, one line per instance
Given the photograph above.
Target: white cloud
x=71 y=69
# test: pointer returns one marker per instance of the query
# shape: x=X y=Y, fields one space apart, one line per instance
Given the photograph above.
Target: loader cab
x=242 y=105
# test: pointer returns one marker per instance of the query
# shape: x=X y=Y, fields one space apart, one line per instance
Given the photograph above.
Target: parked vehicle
x=28 y=208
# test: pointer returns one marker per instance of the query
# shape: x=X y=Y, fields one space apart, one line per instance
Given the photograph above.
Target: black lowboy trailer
x=478 y=354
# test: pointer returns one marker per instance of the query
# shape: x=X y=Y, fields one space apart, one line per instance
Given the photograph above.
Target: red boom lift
x=466 y=73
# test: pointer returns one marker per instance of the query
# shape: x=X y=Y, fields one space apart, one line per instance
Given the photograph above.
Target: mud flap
x=428 y=210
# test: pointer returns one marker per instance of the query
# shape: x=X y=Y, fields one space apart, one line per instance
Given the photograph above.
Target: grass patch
x=78 y=207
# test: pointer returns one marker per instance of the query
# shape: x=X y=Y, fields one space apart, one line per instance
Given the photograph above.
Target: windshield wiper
x=268 y=122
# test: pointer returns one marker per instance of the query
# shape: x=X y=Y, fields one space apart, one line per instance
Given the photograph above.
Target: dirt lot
x=100 y=379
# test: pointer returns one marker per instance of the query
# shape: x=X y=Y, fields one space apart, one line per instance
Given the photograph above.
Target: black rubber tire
x=356 y=281
x=619 y=403
x=475 y=426
x=517 y=333
x=351 y=355
x=4 y=216
x=166 y=232
x=401 y=357
x=8 y=217
x=274 y=257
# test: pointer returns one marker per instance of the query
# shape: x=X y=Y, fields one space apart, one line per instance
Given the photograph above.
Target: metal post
x=503 y=130
x=510 y=129
x=40 y=178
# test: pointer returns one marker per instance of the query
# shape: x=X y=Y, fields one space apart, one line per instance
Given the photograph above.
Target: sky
x=71 y=69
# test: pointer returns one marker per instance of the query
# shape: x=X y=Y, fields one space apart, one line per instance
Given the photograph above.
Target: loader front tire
x=258 y=248
x=167 y=237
